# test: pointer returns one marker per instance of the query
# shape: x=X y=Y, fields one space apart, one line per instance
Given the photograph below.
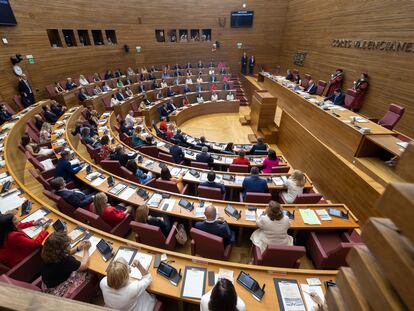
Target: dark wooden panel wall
x=135 y=23
x=313 y=24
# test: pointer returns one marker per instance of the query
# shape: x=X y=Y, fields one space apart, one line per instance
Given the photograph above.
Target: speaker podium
x=262 y=116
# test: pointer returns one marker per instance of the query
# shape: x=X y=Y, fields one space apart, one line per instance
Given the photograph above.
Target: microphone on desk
x=263 y=287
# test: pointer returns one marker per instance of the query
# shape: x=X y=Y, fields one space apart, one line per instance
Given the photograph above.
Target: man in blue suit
x=163 y=112
x=213 y=78
x=186 y=89
x=312 y=88
x=177 y=153
x=64 y=169
x=216 y=226
x=74 y=197
x=337 y=98
x=254 y=183
x=211 y=177
x=204 y=156
x=119 y=96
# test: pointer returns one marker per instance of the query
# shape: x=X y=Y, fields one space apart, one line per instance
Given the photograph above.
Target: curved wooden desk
x=160 y=286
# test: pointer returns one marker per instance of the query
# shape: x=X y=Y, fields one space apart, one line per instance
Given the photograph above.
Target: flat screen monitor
x=241 y=19
x=6 y=14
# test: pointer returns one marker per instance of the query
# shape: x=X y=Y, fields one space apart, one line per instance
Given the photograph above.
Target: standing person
x=335 y=82
x=252 y=62
x=244 y=63
x=360 y=86
x=26 y=91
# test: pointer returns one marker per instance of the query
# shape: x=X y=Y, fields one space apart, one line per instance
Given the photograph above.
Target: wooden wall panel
x=124 y=16
x=313 y=24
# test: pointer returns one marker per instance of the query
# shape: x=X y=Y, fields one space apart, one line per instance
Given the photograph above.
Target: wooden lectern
x=262 y=116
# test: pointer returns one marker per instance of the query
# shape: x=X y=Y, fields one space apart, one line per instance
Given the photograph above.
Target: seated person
x=230 y=96
x=295 y=184
x=118 y=73
x=177 y=153
x=159 y=95
x=179 y=137
x=129 y=119
x=170 y=106
x=130 y=71
x=312 y=88
x=229 y=148
x=57 y=108
x=211 y=177
x=120 y=155
x=289 y=75
x=188 y=80
x=260 y=145
x=177 y=81
x=70 y=85
x=106 y=87
x=128 y=92
x=111 y=215
x=128 y=81
x=108 y=75
x=185 y=102
x=89 y=139
x=121 y=292
x=205 y=157
x=166 y=175
x=141 y=87
x=241 y=160
x=200 y=65
x=114 y=101
x=223 y=296
x=186 y=89
x=62 y=273
x=125 y=129
x=165 y=75
x=49 y=115
x=119 y=83
x=254 y=183
x=217 y=226
x=96 y=77
x=74 y=197
x=106 y=149
x=45 y=133
x=200 y=98
x=146 y=101
x=213 y=87
x=137 y=138
x=4 y=114
x=119 y=96
x=273 y=228
x=142 y=177
x=337 y=98
x=164 y=83
x=64 y=168
x=170 y=92
x=82 y=96
x=188 y=66
x=170 y=131
x=33 y=148
x=271 y=161
x=214 y=96
x=163 y=124
x=200 y=78
x=15 y=245
x=226 y=86
x=211 y=64
x=154 y=84
x=83 y=81
x=38 y=120
x=143 y=216
x=58 y=88
x=163 y=111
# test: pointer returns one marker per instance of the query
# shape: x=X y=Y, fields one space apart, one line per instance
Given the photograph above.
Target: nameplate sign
x=374 y=45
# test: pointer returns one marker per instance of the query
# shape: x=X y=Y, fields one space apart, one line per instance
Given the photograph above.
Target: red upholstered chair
x=102 y=75
x=166 y=185
x=166 y=157
x=39 y=177
x=255 y=197
x=153 y=236
x=392 y=116
x=112 y=166
x=151 y=151
x=63 y=206
x=36 y=163
x=199 y=165
x=126 y=139
x=280 y=169
x=18 y=101
x=93 y=153
x=350 y=96
x=279 y=256
x=89 y=90
x=28 y=269
x=26 y=285
x=51 y=90
x=210 y=193
x=208 y=245
x=305 y=81
x=305 y=198
x=321 y=87
x=106 y=101
x=63 y=84
x=127 y=174
x=328 y=250
x=238 y=168
x=121 y=229
x=8 y=108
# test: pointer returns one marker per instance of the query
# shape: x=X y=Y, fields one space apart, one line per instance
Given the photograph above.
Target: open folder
x=194 y=282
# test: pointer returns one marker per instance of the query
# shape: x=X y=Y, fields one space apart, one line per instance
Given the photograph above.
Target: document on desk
x=35 y=230
x=309 y=216
x=250 y=215
x=289 y=296
x=323 y=214
x=155 y=200
x=175 y=171
x=194 y=282
x=145 y=260
x=239 y=179
x=94 y=241
x=307 y=290
x=278 y=181
x=10 y=202
x=228 y=160
x=127 y=193
x=199 y=212
x=98 y=181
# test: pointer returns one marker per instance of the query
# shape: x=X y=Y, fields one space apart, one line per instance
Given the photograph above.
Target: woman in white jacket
x=273 y=226
x=123 y=293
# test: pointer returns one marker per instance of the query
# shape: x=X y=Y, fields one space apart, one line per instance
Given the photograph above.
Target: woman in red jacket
x=15 y=245
x=109 y=214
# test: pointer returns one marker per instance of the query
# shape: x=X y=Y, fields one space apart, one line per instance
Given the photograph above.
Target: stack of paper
x=250 y=215
x=167 y=205
x=323 y=214
x=311 y=305
x=278 y=181
x=309 y=217
x=239 y=179
x=155 y=200
x=10 y=202
x=127 y=193
x=226 y=274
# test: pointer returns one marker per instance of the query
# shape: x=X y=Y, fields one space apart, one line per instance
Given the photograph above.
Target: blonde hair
x=118 y=273
x=298 y=177
x=141 y=215
x=99 y=202
x=46 y=126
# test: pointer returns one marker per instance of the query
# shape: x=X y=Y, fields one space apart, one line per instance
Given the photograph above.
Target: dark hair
x=56 y=247
x=6 y=226
x=365 y=75
x=56 y=183
x=132 y=165
x=202 y=139
x=272 y=154
x=229 y=147
x=274 y=211
x=25 y=140
x=242 y=153
x=338 y=90
x=211 y=176
x=255 y=170
x=64 y=154
x=260 y=140
x=223 y=296
x=165 y=173
x=104 y=140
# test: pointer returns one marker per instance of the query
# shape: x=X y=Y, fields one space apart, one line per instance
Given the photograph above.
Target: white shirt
x=188 y=81
x=164 y=84
x=211 y=71
x=114 y=102
x=83 y=82
x=230 y=97
x=214 y=97
x=200 y=100
x=200 y=80
x=292 y=191
x=129 y=121
x=106 y=88
x=131 y=297
x=241 y=306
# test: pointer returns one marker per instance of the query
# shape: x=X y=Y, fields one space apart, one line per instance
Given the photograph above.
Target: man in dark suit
x=119 y=96
x=170 y=92
x=176 y=66
x=163 y=112
x=200 y=65
x=211 y=177
x=177 y=73
x=177 y=153
x=312 y=88
x=49 y=115
x=179 y=137
x=254 y=183
x=118 y=73
x=186 y=89
x=4 y=114
x=211 y=64
x=260 y=145
x=213 y=78
x=252 y=62
x=289 y=75
x=170 y=106
x=82 y=96
x=188 y=66
x=26 y=91
x=65 y=169
x=216 y=226
x=120 y=155
x=70 y=85
x=226 y=86
x=244 y=61
x=337 y=98
x=74 y=197
x=205 y=157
